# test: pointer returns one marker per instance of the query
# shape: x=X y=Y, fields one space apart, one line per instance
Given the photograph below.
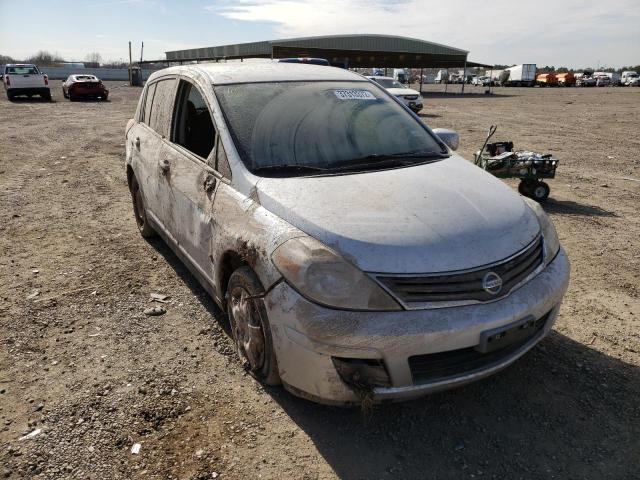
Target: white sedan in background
x=411 y=98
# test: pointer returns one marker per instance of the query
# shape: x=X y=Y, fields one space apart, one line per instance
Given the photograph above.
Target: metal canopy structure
x=350 y=51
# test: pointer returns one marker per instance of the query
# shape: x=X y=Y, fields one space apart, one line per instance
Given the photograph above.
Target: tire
x=250 y=326
x=46 y=96
x=139 y=210
x=525 y=187
x=10 y=96
x=540 y=192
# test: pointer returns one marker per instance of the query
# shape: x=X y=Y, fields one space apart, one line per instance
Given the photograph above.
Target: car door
x=149 y=137
x=191 y=175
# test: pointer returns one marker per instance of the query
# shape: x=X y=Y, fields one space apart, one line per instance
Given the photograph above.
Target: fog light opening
x=362 y=374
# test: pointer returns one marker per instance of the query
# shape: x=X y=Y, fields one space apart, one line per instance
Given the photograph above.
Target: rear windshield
x=27 y=70
x=323 y=125
x=86 y=77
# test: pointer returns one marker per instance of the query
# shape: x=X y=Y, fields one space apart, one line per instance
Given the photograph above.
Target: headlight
x=324 y=277
x=549 y=234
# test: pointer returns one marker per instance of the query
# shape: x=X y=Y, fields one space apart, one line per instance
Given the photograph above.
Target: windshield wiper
x=288 y=168
x=387 y=160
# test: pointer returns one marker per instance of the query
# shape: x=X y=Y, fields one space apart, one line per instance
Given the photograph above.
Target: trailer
x=523 y=75
x=547 y=80
x=567 y=79
x=531 y=168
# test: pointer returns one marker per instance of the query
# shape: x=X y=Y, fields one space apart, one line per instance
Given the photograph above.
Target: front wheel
x=250 y=326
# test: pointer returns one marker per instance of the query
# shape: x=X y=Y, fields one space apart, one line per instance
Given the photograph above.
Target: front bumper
x=415 y=105
x=306 y=336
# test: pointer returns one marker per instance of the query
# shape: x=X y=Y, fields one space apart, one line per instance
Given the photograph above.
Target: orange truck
x=547 y=80
x=566 y=79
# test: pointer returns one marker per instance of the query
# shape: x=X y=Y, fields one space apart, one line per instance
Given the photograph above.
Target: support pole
x=446 y=82
x=130 y=63
x=464 y=73
x=421 y=80
x=490 y=80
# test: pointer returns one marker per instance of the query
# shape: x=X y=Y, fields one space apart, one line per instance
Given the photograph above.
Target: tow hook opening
x=362 y=373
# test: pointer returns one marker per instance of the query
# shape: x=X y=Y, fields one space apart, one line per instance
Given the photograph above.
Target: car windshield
x=311 y=127
x=25 y=70
x=388 y=83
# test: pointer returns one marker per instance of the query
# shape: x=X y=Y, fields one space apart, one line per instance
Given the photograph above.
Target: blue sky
x=572 y=33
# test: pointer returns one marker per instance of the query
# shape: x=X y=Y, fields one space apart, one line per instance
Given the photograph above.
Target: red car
x=84 y=86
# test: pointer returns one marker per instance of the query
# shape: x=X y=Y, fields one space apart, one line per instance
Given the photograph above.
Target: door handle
x=138 y=142
x=165 y=165
x=209 y=183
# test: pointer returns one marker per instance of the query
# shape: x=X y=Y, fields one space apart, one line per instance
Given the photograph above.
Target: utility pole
x=141 y=50
x=130 y=63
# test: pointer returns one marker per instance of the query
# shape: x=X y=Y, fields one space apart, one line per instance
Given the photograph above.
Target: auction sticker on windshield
x=354 y=95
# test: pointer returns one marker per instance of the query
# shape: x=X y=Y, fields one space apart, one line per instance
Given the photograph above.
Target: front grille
x=411 y=97
x=465 y=286
x=439 y=366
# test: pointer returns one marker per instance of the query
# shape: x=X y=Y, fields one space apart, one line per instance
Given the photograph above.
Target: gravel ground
x=83 y=366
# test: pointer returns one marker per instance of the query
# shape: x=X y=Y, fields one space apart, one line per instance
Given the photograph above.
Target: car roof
x=20 y=65
x=247 y=72
x=380 y=77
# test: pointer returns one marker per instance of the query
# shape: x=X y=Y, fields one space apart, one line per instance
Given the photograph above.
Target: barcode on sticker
x=354 y=95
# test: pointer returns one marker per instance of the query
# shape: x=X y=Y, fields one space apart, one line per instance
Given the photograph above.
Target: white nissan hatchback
x=354 y=252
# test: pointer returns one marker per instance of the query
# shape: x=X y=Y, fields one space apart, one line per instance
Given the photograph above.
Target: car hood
x=402 y=91
x=438 y=217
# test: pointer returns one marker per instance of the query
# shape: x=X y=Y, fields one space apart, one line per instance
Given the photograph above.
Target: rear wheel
x=139 y=211
x=46 y=96
x=250 y=326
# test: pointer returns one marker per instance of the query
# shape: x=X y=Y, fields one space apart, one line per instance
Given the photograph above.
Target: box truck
x=523 y=75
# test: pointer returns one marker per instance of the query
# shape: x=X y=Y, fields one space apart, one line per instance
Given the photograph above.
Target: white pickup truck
x=25 y=79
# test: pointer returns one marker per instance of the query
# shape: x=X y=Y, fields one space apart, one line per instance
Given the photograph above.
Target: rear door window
x=193 y=128
x=162 y=109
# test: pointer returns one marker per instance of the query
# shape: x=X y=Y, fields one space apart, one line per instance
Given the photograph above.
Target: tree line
x=47 y=59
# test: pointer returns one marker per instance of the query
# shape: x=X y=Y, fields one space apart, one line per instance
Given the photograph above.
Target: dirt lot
x=81 y=362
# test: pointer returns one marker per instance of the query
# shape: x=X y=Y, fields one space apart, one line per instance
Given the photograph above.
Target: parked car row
x=22 y=79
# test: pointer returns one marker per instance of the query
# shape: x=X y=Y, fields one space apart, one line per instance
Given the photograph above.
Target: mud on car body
x=352 y=249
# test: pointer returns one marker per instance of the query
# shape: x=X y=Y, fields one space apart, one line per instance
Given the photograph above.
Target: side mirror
x=449 y=137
